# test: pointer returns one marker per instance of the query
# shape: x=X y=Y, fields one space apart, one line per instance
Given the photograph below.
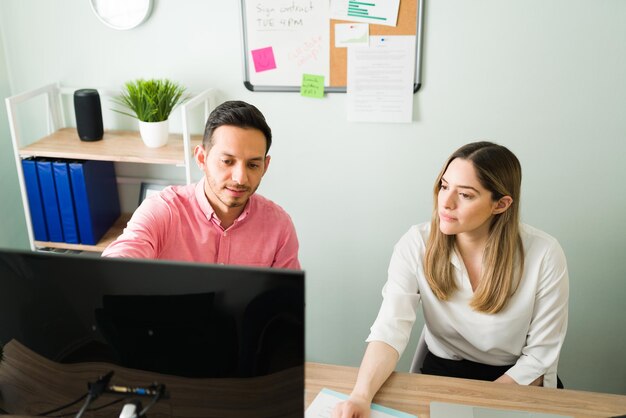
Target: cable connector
x=100 y=386
x=155 y=389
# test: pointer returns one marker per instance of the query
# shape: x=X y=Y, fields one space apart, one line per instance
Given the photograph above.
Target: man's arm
x=142 y=236
x=287 y=252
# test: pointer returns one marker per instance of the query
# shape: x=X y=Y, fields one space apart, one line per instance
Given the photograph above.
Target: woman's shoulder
x=416 y=234
x=422 y=229
x=536 y=240
x=410 y=248
x=529 y=232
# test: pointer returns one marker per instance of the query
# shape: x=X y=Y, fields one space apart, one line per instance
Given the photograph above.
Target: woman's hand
x=352 y=408
x=505 y=378
x=377 y=364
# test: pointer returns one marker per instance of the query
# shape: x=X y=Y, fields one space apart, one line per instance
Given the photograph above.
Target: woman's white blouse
x=528 y=332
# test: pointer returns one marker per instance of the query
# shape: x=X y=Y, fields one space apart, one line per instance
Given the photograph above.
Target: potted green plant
x=151 y=102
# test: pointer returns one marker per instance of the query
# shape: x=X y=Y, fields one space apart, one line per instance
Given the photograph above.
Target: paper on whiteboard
x=380 y=80
x=348 y=35
x=378 y=12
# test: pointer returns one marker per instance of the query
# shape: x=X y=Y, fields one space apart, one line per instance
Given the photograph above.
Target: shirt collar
x=455 y=259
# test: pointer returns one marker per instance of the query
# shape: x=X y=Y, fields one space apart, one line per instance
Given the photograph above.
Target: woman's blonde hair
x=498 y=171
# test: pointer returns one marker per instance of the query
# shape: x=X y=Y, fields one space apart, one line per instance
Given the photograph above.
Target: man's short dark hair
x=239 y=114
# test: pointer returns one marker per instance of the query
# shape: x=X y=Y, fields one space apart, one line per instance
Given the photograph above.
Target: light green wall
x=12 y=223
x=545 y=78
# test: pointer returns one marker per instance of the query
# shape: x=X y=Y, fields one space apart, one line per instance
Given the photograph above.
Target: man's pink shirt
x=180 y=224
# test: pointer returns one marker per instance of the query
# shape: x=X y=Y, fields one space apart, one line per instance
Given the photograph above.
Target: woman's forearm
x=378 y=363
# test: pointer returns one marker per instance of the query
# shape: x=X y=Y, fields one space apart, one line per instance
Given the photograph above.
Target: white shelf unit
x=117 y=146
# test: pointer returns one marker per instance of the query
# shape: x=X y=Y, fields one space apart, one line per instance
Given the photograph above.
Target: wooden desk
x=30 y=384
x=413 y=393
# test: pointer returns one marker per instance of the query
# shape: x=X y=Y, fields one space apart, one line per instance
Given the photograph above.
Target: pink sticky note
x=263 y=59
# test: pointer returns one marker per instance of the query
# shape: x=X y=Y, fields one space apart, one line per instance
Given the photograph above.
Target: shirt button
x=225 y=233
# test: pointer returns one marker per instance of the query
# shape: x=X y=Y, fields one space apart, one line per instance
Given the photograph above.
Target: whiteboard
x=298 y=34
x=284 y=39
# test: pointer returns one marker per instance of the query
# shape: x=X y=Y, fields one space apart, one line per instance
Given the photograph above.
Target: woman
x=494 y=291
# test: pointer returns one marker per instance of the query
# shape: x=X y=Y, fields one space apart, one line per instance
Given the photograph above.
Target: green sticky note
x=312 y=86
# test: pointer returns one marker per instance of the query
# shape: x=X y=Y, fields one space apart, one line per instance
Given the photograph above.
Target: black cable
x=93 y=409
x=99 y=387
x=80 y=413
x=95 y=389
x=155 y=399
x=108 y=404
x=62 y=407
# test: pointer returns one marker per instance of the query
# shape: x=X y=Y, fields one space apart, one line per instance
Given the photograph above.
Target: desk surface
x=413 y=393
x=30 y=383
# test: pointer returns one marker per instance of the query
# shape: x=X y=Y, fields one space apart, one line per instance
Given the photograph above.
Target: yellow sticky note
x=312 y=86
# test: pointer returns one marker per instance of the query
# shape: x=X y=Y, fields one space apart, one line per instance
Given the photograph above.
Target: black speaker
x=88 y=114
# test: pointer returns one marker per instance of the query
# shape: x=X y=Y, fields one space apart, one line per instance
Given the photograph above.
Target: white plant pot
x=154 y=134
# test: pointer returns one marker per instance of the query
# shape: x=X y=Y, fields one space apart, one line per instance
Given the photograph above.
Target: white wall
x=546 y=79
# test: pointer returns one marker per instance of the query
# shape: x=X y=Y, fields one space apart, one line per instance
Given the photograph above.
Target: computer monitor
x=193 y=323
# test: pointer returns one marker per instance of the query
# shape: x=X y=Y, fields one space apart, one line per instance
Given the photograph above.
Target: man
x=219 y=219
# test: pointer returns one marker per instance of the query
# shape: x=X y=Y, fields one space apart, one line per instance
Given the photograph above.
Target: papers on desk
x=446 y=410
x=325 y=401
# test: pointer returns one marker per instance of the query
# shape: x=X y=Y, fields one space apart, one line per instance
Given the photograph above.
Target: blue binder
x=33 y=192
x=66 y=202
x=95 y=197
x=49 y=199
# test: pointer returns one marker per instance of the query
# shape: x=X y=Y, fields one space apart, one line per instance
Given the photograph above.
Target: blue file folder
x=50 y=201
x=96 y=198
x=33 y=192
x=66 y=202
